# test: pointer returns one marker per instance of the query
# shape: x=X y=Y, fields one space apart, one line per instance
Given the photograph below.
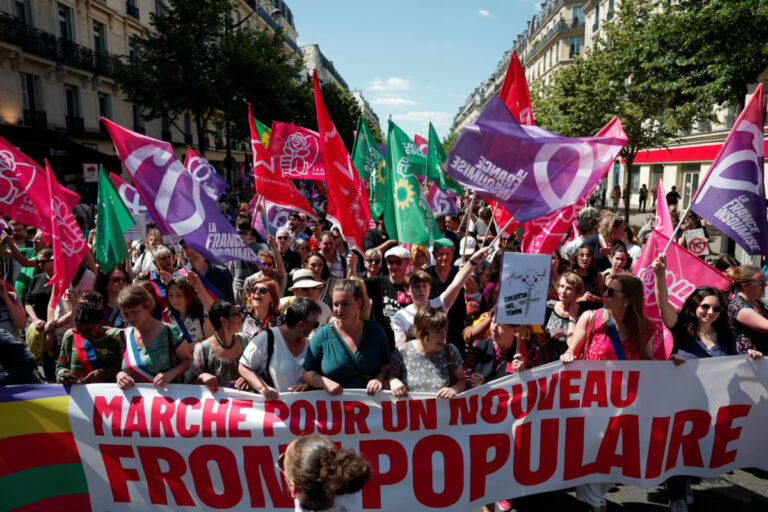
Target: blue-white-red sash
x=86 y=355
x=176 y=319
x=210 y=289
x=158 y=285
x=132 y=360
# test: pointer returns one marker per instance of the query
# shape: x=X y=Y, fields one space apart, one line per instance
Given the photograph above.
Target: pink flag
x=422 y=143
x=69 y=247
x=269 y=182
x=23 y=195
x=347 y=198
x=685 y=273
x=663 y=221
x=543 y=235
x=298 y=151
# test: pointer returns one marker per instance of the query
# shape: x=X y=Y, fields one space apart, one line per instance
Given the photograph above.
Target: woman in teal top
x=351 y=351
x=154 y=351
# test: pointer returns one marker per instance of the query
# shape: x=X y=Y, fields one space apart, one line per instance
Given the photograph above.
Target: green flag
x=410 y=150
x=264 y=132
x=112 y=221
x=369 y=163
x=408 y=217
x=436 y=162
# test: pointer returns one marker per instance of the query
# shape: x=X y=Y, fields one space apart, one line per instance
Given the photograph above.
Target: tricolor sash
x=132 y=360
x=176 y=319
x=86 y=355
x=210 y=289
x=158 y=285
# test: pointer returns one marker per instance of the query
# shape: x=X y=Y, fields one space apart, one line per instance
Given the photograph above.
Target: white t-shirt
x=403 y=319
x=285 y=368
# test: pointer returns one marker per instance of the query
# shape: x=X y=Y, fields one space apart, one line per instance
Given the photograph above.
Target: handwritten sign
x=523 y=288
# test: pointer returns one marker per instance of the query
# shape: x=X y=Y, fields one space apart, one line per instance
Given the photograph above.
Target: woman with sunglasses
x=373 y=258
x=617 y=331
x=110 y=285
x=273 y=362
x=215 y=360
x=263 y=306
x=700 y=330
x=749 y=315
x=321 y=476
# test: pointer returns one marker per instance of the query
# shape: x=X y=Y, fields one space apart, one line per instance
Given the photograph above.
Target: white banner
x=632 y=422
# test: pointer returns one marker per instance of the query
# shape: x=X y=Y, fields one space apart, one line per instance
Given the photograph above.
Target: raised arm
x=668 y=313
x=452 y=291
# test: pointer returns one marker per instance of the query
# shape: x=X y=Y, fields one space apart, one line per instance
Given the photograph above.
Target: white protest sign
x=523 y=288
x=696 y=241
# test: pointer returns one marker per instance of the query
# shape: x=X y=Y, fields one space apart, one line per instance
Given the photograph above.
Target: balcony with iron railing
x=551 y=33
x=75 y=124
x=35 y=118
x=48 y=46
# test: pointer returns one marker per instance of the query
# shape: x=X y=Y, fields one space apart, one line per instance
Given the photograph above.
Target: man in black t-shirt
x=387 y=293
x=673 y=196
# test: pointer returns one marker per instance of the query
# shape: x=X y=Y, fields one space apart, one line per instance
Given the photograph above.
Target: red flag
x=502 y=216
x=269 y=181
x=347 y=198
x=685 y=273
x=514 y=92
x=298 y=151
x=69 y=247
x=663 y=220
x=23 y=195
x=543 y=235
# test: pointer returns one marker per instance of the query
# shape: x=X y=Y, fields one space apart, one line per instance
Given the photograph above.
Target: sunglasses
x=117 y=280
x=262 y=290
x=315 y=324
x=375 y=262
x=611 y=292
x=282 y=238
x=43 y=262
x=706 y=307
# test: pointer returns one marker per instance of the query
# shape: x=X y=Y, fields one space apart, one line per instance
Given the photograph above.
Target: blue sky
x=416 y=60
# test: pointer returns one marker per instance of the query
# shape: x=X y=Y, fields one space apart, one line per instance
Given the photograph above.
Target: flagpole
x=469 y=212
x=682 y=217
x=487 y=229
x=502 y=230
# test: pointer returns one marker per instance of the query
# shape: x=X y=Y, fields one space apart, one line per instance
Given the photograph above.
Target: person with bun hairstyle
x=351 y=351
x=154 y=352
x=91 y=352
x=321 y=476
x=749 y=315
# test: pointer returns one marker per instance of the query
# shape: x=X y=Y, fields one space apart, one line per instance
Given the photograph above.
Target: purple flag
x=210 y=180
x=441 y=201
x=732 y=195
x=174 y=198
x=528 y=170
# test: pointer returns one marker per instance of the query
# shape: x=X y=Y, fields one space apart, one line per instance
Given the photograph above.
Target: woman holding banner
x=351 y=351
x=749 y=316
x=154 y=352
x=700 y=330
x=110 y=285
x=91 y=352
x=618 y=331
x=427 y=363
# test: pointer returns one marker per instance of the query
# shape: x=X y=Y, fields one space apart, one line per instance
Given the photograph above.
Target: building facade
x=326 y=71
x=56 y=80
x=365 y=107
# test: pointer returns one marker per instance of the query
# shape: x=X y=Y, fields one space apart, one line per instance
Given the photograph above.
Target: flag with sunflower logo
x=436 y=162
x=408 y=217
x=369 y=162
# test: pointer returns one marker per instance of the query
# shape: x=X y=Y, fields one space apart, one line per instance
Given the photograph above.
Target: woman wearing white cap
x=418 y=285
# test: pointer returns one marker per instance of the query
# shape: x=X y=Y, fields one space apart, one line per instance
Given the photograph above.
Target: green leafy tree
x=632 y=74
x=449 y=141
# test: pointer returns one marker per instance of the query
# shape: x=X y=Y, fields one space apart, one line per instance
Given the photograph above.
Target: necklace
x=221 y=343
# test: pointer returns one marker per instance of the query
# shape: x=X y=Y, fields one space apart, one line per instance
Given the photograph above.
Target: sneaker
x=505 y=505
x=678 y=506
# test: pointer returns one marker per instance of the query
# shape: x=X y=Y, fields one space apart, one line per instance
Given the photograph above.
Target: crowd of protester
x=316 y=315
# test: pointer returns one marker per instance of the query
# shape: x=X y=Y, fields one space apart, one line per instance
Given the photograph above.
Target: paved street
x=738 y=491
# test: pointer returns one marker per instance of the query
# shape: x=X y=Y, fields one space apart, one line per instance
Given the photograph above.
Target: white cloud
x=392 y=83
x=437 y=118
x=483 y=12
x=393 y=101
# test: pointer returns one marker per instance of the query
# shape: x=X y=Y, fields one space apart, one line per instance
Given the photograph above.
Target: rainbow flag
x=40 y=467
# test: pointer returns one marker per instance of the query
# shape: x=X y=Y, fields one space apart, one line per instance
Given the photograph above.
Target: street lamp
x=229 y=161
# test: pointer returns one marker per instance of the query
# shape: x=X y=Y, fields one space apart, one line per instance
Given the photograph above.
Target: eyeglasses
x=282 y=238
x=43 y=262
x=117 y=280
x=611 y=292
x=375 y=262
x=262 y=290
x=706 y=307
